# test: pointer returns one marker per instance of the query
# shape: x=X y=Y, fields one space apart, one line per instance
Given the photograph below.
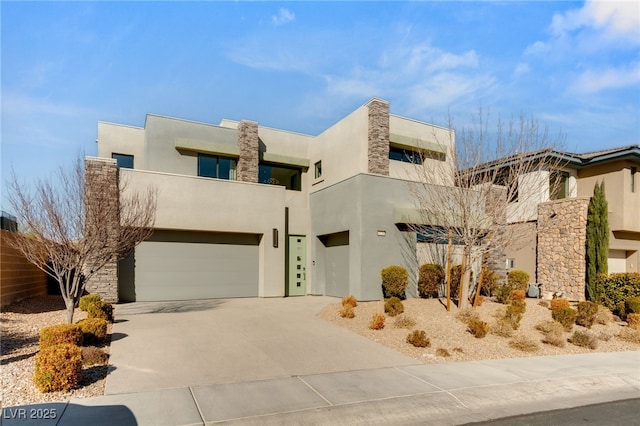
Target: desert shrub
x=513 y=316
x=442 y=352
x=490 y=282
x=419 y=339
x=394 y=281
x=430 y=278
x=524 y=344
x=502 y=328
x=555 y=338
x=633 y=320
x=565 y=316
x=559 y=303
x=543 y=303
x=87 y=300
x=585 y=339
x=58 y=368
x=61 y=333
x=478 y=328
x=518 y=295
x=347 y=312
x=100 y=310
x=518 y=306
x=459 y=350
x=349 y=300
x=632 y=305
x=629 y=335
x=616 y=288
x=377 y=322
x=404 y=321
x=604 y=336
x=503 y=295
x=480 y=300
x=393 y=307
x=467 y=314
x=94 y=330
x=93 y=356
x=518 y=279
x=604 y=315
x=550 y=326
x=586 y=315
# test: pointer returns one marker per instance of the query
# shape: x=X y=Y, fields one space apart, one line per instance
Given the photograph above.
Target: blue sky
x=301 y=66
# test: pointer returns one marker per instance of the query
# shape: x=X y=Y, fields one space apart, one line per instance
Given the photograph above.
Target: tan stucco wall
x=120 y=139
x=522 y=247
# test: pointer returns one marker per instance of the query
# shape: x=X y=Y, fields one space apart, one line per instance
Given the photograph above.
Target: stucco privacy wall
x=19 y=278
x=201 y=204
x=101 y=176
x=562 y=246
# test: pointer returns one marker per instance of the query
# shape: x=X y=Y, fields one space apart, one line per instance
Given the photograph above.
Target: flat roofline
x=293 y=132
x=183 y=120
x=120 y=125
x=422 y=122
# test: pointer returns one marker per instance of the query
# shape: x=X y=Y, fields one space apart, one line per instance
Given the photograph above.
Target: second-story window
x=214 y=166
x=289 y=177
x=558 y=185
x=405 y=155
x=124 y=161
x=318 y=170
x=634 y=171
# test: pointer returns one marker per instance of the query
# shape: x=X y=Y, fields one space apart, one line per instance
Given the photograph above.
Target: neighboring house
x=245 y=210
x=551 y=223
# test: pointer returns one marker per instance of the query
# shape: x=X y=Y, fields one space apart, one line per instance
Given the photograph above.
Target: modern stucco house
x=552 y=223
x=245 y=210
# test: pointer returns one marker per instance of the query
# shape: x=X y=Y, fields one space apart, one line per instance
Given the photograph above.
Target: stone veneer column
x=101 y=180
x=247 y=169
x=562 y=237
x=378 y=137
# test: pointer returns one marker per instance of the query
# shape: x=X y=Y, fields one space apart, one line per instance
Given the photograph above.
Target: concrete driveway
x=176 y=344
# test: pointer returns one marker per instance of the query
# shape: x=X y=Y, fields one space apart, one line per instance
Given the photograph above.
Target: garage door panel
x=183 y=270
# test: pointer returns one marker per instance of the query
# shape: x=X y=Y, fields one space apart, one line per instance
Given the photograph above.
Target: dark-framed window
x=634 y=171
x=272 y=174
x=404 y=155
x=214 y=166
x=124 y=161
x=558 y=185
x=318 y=169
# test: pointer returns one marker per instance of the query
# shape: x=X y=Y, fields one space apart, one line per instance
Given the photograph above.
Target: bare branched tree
x=70 y=238
x=499 y=178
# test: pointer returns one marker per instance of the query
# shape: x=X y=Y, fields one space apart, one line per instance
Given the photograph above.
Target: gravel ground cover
x=20 y=325
x=445 y=331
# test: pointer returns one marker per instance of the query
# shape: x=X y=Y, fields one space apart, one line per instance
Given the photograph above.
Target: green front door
x=297 y=282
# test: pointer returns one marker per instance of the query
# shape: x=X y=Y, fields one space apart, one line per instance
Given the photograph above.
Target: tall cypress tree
x=597 y=241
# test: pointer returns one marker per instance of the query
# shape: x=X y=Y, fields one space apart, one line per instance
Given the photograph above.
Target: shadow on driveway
x=137 y=308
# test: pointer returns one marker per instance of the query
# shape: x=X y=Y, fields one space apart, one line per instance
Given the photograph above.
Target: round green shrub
x=87 y=300
x=586 y=315
x=617 y=288
x=518 y=279
x=478 y=328
x=430 y=278
x=503 y=295
x=393 y=307
x=565 y=316
x=394 y=281
x=490 y=282
x=58 y=368
x=94 y=330
x=61 y=333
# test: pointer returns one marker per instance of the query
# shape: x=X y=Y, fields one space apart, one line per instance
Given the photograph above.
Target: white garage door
x=175 y=265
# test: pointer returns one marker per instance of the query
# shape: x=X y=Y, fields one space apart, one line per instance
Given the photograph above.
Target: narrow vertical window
x=634 y=171
x=318 y=170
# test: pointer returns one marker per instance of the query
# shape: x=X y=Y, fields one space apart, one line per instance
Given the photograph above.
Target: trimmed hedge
x=431 y=276
x=393 y=307
x=394 y=281
x=60 y=334
x=87 y=300
x=617 y=288
x=100 y=310
x=58 y=368
x=94 y=330
x=490 y=282
x=565 y=316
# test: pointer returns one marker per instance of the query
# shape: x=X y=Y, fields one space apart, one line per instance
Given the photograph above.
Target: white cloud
x=284 y=16
x=592 y=81
x=522 y=68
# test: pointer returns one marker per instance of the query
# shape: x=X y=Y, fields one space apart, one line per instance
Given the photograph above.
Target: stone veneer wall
x=247 y=169
x=378 y=135
x=562 y=246
x=101 y=179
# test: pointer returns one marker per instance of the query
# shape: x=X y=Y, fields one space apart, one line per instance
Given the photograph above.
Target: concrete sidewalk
x=438 y=394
